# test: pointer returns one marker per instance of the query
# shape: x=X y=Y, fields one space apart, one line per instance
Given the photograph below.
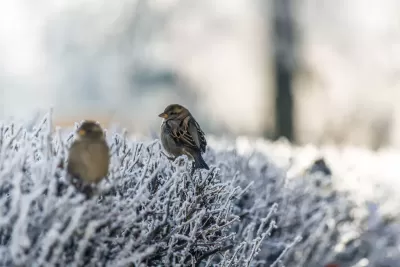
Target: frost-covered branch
x=151 y=211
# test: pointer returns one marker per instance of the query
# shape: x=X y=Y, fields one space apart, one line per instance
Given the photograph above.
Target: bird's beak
x=81 y=132
x=163 y=115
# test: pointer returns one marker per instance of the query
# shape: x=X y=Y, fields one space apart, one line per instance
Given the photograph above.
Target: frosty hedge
x=152 y=212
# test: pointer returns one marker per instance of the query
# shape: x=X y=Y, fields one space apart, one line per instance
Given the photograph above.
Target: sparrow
x=182 y=135
x=88 y=158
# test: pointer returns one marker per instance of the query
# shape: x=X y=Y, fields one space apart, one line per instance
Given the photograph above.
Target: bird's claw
x=193 y=168
x=168 y=157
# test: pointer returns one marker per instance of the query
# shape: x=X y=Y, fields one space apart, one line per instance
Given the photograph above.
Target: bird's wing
x=197 y=134
x=98 y=152
x=75 y=162
x=190 y=134
x=98 y=158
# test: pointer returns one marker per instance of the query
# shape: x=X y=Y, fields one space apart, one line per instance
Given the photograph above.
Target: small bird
x=182 y=135
x=88 y=158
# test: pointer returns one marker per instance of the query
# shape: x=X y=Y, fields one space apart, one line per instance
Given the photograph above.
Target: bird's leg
x=170 y=158
x=193 y=169
x=87 y=190
x=82 y=187
x=75 y=181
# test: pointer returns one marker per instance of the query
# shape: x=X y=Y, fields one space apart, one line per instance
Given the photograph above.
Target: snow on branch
x=150 y=211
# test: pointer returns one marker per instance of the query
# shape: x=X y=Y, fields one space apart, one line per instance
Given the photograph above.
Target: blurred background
x=320 y=71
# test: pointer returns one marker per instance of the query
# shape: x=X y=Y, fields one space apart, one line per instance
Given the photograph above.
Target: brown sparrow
x=182 y=135
x=88 y=158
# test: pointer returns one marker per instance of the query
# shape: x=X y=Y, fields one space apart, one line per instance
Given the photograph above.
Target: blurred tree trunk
x=284 y=66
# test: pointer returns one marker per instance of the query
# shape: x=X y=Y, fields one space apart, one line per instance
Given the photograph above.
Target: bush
x=153 y=212
x=149 y=212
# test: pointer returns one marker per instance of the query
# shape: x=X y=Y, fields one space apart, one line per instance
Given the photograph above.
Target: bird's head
x=90 y=130
x=174 y=111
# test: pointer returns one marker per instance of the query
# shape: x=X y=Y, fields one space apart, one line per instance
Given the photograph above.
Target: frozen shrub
x=245 y=211
x=149 y=211
x=304 y=211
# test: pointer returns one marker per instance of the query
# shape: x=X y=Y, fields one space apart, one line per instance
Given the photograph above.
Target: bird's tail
x=199 y=162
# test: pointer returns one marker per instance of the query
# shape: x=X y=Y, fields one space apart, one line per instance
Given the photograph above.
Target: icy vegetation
x=251 y=209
